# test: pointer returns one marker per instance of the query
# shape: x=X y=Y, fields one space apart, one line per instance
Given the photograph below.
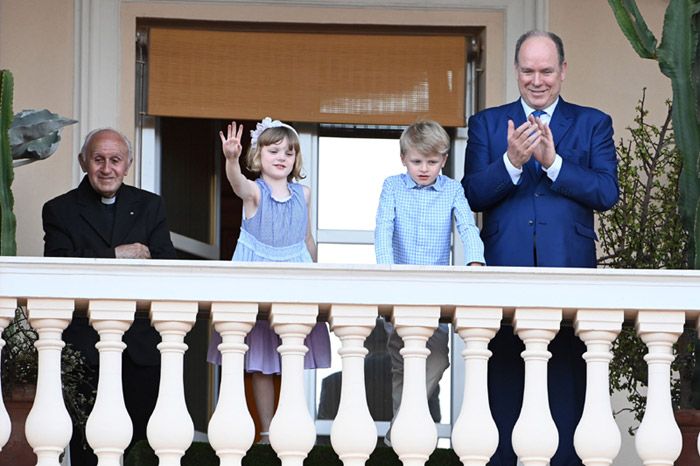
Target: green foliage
x=20 y=364
x=645 y=231
x=677 y=56
x=8 y=246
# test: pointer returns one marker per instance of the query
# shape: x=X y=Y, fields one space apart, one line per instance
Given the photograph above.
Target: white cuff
x=512 y=170
x=554 y=168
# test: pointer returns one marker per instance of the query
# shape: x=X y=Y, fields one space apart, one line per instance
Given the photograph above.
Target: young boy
x=413 y=226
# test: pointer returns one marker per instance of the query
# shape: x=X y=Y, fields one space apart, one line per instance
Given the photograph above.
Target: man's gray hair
x=95 y=132
x=535 y=33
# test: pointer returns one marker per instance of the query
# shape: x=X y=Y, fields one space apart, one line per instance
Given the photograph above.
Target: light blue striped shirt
x=414 y=223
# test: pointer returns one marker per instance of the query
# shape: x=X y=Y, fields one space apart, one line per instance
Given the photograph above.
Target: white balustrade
x=7 y=313
x=353 y=434
x=535 y=437
x=658 y=439
x=413 y=434
x=170 y=429
x=474 y=434
x=109 y=428
x=597 y=438
x=662 y=301
x=49 y=317
x=231 y=429
x=292 y=430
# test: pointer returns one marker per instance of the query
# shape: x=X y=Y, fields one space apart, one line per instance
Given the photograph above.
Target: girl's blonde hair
x=274 y=136
x=425 y=136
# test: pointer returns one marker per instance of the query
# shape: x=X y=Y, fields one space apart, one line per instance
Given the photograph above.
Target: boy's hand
x=471 y=264
x=231 y=144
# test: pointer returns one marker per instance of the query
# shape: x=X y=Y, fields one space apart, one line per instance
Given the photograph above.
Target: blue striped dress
x=276 y=233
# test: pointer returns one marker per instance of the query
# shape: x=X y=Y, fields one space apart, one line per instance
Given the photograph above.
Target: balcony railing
x=474 y=299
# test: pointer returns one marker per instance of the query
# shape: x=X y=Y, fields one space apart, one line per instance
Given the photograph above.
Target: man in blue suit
x=538 y=168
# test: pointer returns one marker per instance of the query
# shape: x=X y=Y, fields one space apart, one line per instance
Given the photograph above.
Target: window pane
x=351 y=173
x=188 y=148
x=329 y=253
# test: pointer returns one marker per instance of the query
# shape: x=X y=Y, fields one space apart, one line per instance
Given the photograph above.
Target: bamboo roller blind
x=383 y=79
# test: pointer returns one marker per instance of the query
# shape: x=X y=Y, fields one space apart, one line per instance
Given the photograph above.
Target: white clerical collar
x=109 y=200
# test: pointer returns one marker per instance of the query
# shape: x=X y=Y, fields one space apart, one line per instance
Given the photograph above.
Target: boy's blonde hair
x=425 y=136
x=273 y=136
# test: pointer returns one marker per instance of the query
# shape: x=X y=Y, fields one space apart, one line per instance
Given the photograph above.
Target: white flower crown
x=266 y=123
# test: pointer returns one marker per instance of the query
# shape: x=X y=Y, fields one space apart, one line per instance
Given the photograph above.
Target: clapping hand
x=544 y=151
x=522 y=141
x=231 y=143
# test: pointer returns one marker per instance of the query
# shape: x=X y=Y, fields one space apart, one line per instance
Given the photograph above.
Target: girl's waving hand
x=244 y=188
x=231 y=143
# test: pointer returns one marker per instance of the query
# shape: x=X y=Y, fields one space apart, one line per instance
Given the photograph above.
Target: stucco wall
x=36 y=44
x=603 y=69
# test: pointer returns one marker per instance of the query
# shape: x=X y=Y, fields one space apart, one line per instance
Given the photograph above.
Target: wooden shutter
x=382 y=79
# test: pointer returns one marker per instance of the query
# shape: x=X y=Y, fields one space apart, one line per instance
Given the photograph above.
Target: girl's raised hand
x=231 y=144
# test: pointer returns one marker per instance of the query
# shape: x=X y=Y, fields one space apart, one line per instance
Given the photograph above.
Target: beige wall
x=37 y=44
x=603 y=69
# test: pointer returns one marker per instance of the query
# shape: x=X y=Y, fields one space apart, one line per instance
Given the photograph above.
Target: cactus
x=678 y=56
x=8 y=247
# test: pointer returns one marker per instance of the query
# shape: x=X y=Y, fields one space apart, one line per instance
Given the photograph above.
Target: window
x=347 y=164
x=351 y=171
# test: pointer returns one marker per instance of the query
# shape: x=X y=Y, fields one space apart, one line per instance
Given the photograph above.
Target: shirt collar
x=528 y=110
x=410 y=184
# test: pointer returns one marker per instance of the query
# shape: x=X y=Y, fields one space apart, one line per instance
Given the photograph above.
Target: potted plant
x=645 y=231
x=19 y=376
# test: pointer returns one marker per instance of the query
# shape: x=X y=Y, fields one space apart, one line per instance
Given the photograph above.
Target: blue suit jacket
x=559 y=215
x=553 y=220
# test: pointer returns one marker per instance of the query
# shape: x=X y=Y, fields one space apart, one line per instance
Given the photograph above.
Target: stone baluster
x=170 y=429
x=109 y=428
x=414 y=435
x=49 y=317
x=658 y=440
x=597 y=438
x=292 y=430
x=7 y=313
x=353 y=434
x=474 y=434
x=535 y=437
x=231 y=440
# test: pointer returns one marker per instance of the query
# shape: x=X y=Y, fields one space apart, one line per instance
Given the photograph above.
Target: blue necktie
x=538 y=114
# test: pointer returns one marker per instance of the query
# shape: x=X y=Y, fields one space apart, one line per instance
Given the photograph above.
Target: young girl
x=275 y=228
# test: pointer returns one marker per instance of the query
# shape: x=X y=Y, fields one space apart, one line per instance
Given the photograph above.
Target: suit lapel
x=515 y=112
x=561 y=121
x=125 y=215
x=90 y=211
